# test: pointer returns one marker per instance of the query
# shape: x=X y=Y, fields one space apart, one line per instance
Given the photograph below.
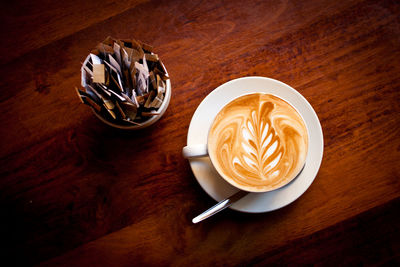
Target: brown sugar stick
x=130 y=110
x=149 y=99
x=92 y=89
x=112 y=114
x=141 y=99
x=146 y=47
x=104 y=49
x=120 y=98
x=109 y=41
x=104 y=89
x=117 y=52
x=120 y=110
x=93 y=104
x=98 y=73
x=126 y=54
x=160 y=85
x=79 y=95
x=136 y=46
x=156 y=103
x=126 y=42
x=151 y=57
x=120 y=88
x=108 y=104
x=153 y=80
x=86 y=99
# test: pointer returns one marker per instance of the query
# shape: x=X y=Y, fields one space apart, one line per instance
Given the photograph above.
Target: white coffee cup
x=269 y=177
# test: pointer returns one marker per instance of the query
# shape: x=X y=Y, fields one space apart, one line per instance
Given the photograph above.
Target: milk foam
x=258 y=142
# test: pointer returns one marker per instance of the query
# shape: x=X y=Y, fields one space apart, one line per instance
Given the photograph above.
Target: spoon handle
x=223 y=204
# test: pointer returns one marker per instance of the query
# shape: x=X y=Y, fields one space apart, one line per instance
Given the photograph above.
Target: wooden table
x=75 y=192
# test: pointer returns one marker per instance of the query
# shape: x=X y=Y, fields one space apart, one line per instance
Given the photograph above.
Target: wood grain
x=120 y=198
x=369 y=238
x=31 y=25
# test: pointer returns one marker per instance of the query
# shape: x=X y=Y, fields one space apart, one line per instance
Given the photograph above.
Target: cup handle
x=195 y=151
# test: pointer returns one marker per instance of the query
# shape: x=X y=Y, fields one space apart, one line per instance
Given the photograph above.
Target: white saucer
x=215 y=185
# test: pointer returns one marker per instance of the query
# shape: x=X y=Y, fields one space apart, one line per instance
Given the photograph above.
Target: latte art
x=258 y=142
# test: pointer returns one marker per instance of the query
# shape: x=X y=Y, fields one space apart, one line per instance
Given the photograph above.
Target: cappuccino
x=258 y=142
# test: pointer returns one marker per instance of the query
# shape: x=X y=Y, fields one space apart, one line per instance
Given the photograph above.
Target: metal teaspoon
x=223 y=204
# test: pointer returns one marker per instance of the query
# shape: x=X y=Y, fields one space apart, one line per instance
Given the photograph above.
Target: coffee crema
x=258 y=142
